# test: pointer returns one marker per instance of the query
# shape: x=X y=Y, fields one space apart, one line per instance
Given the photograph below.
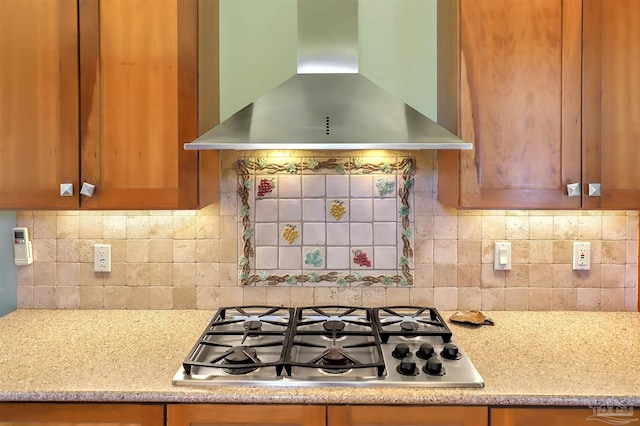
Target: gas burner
x=409 y=326
x=240 y=355
x=335 y=357
x=333 y=326
x=334 y=329
x=252 y=327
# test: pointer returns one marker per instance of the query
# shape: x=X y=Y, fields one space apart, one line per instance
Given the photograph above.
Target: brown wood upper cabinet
x=541 y=112
x=107 y=92
x=611 y=103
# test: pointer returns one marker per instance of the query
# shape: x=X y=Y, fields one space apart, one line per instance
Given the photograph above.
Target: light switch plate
x=502 y=256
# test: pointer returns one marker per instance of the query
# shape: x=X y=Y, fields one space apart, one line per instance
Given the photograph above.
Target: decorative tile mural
x=325 y=221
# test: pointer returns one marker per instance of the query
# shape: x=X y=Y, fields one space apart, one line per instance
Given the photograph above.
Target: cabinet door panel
x=611 y=127
x=245 y=415
x=546 y=417
x=406 y=416
x=139 y=63
x=519 y=104
x=60 y=414
x=39 y=135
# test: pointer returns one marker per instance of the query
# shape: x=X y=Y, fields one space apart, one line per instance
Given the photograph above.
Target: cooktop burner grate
x=334 y=340
x=410 y=322
x=241 y=340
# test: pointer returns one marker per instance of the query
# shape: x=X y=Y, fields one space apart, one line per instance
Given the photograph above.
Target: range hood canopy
x=328 y=104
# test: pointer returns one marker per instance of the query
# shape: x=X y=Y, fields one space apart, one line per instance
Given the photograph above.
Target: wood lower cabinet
x=552 y=417
x=61 y=414
x=246 y=415
x=367 y=415
x=107 y=92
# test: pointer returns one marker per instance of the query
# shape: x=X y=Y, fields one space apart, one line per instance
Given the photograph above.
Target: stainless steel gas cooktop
x=328 y=345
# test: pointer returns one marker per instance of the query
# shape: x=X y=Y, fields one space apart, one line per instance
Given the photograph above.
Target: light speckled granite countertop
x=527 y=358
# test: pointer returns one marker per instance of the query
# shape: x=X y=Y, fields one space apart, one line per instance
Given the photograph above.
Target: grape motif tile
x=325 y=221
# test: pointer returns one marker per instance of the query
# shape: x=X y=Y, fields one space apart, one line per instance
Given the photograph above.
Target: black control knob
x=408 y=367
x=426 y=351
x=450 y=351
x=401 y=351
x=433 y=367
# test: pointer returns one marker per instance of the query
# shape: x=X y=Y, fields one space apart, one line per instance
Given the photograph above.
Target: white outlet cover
x=581 y=256
x=102 y=258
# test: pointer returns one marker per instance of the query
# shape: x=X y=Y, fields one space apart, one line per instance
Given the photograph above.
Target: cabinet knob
x=66 y=189
x=573 y=189
x=595 y=190
x=87 y=189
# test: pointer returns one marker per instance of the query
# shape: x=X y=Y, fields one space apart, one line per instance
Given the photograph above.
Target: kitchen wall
x=188 y=259
x=7 y=267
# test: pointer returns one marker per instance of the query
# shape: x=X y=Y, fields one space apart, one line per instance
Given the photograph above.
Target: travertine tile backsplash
x=188 y=259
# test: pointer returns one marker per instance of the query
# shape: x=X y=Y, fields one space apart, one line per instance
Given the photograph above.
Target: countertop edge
x=306 y=399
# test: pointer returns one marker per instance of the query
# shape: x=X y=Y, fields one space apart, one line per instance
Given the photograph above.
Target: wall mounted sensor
x=22 y=251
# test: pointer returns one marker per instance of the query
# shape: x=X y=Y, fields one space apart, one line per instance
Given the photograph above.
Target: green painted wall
x=8 y=272
x=257 y=49
x=397 y=49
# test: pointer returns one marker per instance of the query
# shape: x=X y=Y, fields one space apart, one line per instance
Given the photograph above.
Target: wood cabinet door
x=405 y=416
x=61 y=414
x=517 y=99
x=140 y=94
x=245 y=415
x=611 y=110
x=552 y=417
x=39 y=137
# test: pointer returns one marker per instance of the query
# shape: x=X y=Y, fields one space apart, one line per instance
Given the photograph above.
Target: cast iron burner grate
x=335 y=340
x=410 y=322
x=236 y=339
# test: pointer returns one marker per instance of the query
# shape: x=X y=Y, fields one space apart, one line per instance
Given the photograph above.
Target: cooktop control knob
x=426 y=351
x=401 y=351
x=450 y=351
x=433 y=367
x=407 y=367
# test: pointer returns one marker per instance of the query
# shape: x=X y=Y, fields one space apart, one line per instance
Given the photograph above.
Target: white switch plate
x=581 y=256
x=502 y=256
x=102 y=258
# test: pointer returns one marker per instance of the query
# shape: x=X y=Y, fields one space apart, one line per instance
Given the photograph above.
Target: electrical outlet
x=102 y=258
x=581 y=256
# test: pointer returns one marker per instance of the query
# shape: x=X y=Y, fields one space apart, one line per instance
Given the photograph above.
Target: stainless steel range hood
x=328 y=104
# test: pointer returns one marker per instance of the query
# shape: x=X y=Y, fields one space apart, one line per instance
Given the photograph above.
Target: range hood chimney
x=328 y=104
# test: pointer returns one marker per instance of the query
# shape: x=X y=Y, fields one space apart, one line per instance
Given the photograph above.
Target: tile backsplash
x=189 y=259
x=324 y=221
